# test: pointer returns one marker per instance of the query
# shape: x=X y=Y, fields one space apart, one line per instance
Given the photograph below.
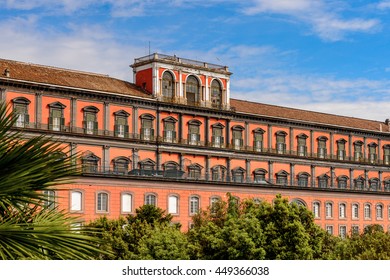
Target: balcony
x=147 y=135
x=182 y=176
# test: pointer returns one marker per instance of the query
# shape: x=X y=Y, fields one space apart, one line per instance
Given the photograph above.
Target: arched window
x=342 y=210
x=379 y=212
x=216 y=93
x=367 y=211
x=359 y=183
x=281 y=178
x=150 y=199
x=90 y=163
x=214 y=200
x=126 y=202
x=323 y=181
x=303 y=179
x=194 y=205
x=168 y=85
x=194 y=171
x=20 y=109
x=316 y=209
x=355 y=211
x=147 y=167
x=299 y=202
x=386 y=184
x=259 y=176
x=102 y=202
x=238 y=174
x=329 y=210
x=172 y=170
x=342 y=182
x=90 y=122
x=121 y=165
x=192 y=90
x=374 y=184
x=218 y=173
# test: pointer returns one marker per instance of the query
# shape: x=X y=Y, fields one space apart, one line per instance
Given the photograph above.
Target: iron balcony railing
x=180 y=175
x=300 y=152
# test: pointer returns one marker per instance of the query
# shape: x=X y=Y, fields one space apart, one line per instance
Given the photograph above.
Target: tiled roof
x=97 y=82
x=306 y=116
x=67 y=78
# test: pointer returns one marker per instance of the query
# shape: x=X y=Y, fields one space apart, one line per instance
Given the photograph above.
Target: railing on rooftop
x=180 y=60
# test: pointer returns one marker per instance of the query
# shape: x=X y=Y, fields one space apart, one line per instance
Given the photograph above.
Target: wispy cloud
x=324 y=20
x=87 y=48
x=351 y=97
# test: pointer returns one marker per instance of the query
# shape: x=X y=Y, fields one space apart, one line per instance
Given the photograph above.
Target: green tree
x=246 y=230
x=149 y=234
x=372 y=244
x=28 y=230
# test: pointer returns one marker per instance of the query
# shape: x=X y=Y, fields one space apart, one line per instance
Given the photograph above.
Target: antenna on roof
x=149 y=47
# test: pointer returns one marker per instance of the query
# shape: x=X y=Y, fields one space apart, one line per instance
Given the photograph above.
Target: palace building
x=176 y=139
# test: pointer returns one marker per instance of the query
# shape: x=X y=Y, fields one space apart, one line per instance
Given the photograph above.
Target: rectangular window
x=194 y=205
x=121 y=129
x=90 y=123
x=102 y=202
x=258 y=142
x=322 y=148
x=56 y=120
x=343 y=231
x=126 y=203
x=237 y=140
x=169 y=132
x=193 y=135
x=22 y=117
x=329 y=229
x=147 y=132
x=216 y=139
x=302 y=148
x=173 y=204
x=341 y=150
x=76 y=201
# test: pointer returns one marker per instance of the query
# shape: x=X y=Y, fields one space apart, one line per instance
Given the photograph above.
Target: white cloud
x=383 y=5
x=87 y=48
x=350 y=97
x=323 y=18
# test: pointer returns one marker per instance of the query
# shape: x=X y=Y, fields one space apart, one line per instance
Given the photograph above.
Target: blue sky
x=329 y=56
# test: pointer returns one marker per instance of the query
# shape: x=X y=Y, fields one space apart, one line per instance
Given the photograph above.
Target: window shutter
x=174 y=135
x=26 y=119
x=62 y=122
x=50 y=123
x=95 y=127
x=116 y=130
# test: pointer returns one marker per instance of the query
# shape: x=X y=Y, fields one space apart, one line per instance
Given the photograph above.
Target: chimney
x=6 y=72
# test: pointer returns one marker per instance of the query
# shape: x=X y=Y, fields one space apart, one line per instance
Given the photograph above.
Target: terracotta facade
x=175 y=138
